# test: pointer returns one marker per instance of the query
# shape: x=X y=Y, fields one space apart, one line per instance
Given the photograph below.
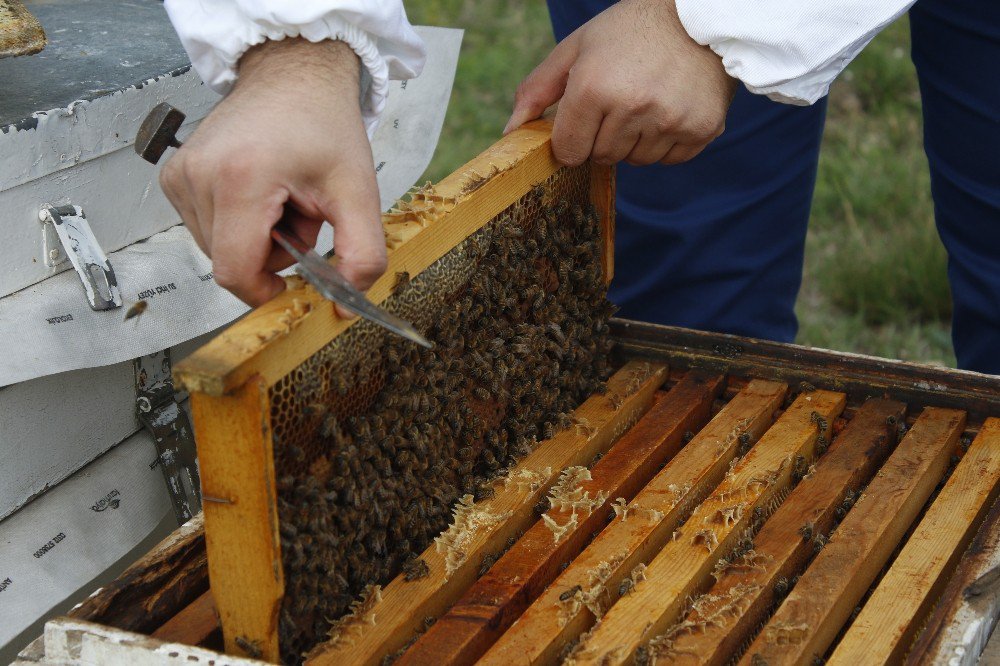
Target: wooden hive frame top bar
x=276 y=337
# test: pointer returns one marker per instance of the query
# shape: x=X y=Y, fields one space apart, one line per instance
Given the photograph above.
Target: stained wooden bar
x=725 y=617
x=683 y=567
x=405 y=604
x=891 y=617
x=809 y=619
x=498 y=598
x=859 y=376
x=193 y=624
x=551 y=622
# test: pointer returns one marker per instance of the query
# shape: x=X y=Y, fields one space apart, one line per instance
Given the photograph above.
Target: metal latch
x=158 y=411
x=78 y=242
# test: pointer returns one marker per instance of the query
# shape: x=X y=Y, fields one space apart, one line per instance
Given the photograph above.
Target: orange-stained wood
x=495 y=601
x=682 y=569
x=602 y=195
x=549 y=624
x=738 y=603
x=241 y=521
x=193 y=624
x=812 y=615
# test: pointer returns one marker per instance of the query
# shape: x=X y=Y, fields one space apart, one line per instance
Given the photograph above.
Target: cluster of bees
x=519 y=344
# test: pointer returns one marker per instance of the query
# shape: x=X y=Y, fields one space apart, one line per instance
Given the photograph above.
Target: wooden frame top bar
x=298 y=322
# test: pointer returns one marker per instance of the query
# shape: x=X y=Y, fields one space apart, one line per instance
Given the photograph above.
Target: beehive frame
x=229 y=379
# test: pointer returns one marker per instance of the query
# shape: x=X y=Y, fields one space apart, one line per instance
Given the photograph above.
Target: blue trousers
x=717 y=243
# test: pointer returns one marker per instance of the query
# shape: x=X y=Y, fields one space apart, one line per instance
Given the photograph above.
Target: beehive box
x=717 y=499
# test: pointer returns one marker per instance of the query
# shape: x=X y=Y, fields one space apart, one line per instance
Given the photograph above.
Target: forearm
x=789 y=50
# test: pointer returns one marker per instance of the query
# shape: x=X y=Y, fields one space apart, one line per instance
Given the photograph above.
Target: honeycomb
x=375 y=439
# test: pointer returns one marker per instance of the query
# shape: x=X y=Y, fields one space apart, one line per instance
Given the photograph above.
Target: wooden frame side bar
x=241 y=521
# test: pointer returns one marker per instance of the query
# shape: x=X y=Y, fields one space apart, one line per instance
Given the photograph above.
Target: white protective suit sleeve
x=216 y=33
x=789 y=50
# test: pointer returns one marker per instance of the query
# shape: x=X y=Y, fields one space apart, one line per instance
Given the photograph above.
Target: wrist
x=296 y=61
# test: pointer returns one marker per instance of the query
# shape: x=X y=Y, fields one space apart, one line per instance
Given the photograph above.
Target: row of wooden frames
x=713 y=522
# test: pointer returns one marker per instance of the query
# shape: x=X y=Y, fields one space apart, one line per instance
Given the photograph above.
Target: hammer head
x=157 y=132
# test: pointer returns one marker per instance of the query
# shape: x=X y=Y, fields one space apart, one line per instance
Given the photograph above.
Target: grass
x=874 y=279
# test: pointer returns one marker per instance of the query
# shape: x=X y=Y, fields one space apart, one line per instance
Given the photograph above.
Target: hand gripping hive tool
x=158 y=132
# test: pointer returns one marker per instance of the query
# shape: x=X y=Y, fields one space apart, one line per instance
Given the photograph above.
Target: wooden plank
x=551 y=622
x=965 y=617
x=275 y=338
x=814 y=612
x=859 y=376
x=193 y=624
x=728 y=614
x=602 y=194
x=499 y=597
x=683 y=567
x=892 y=615
x=404 y=604
x=150 y=591
x=241 y=522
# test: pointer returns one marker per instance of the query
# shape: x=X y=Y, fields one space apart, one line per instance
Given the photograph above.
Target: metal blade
x=329 y=282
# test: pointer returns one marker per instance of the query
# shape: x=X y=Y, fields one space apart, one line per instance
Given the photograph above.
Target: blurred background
x=875 y=279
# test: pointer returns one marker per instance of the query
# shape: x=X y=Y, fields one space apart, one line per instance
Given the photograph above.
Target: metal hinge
x=66 y=233
x=159 y=412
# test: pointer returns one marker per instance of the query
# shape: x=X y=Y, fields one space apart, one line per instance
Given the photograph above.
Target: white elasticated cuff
x=789 y=50
x=216 y=33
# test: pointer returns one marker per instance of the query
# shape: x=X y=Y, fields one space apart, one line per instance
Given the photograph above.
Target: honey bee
x=136 y=310
x=570 y=593
x=806 y=531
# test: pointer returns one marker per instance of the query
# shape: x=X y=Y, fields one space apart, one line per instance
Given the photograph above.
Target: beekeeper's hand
x=288 y=137
x=631 y=85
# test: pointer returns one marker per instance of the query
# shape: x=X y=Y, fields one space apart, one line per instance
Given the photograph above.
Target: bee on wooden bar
x=806 y=531
x=745 y=443
x=781 y=587
x=570 y=593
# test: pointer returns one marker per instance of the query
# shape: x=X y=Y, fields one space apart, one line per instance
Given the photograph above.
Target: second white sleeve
x=216 y=33
x=789 y=50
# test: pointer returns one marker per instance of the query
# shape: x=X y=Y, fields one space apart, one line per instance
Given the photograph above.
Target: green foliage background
x=874 y=278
